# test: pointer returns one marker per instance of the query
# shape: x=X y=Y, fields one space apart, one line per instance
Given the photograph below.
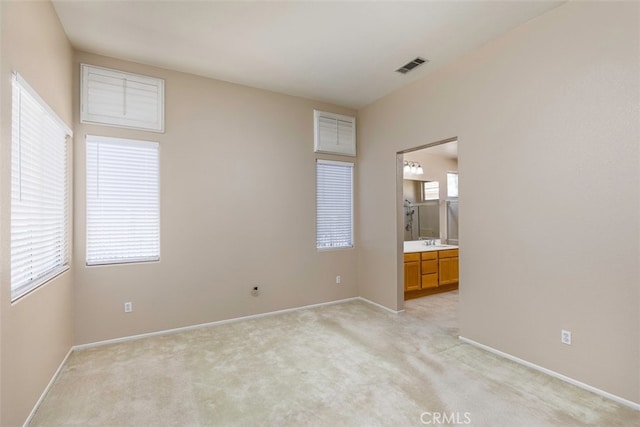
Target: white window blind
x=39 y=191
x=116 y=98
x=334 y=133
x=123 y=201
x=431 y=190
x=334 y=204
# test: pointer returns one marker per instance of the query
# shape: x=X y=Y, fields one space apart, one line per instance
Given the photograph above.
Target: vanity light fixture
x=412 y=167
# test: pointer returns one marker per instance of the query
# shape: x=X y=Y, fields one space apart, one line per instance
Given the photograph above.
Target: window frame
x=425 y=190
x=63 y=262
x=93 y=262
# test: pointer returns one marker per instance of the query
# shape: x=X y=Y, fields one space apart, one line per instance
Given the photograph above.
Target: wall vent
x=411 y=65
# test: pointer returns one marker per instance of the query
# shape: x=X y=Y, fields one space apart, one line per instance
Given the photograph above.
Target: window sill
x=38 y=284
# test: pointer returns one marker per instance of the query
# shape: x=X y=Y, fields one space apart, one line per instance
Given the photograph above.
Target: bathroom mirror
x=421 y=217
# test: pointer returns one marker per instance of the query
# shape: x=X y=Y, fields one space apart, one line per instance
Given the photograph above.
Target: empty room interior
x=246 y=213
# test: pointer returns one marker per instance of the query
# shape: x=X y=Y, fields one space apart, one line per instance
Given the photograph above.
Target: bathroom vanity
x=429 y=269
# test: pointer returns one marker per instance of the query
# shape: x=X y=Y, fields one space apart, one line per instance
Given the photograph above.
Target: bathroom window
x=123 y=201
x=452 y=184
x=39 y=191
x=334 y=204
x=430 y=190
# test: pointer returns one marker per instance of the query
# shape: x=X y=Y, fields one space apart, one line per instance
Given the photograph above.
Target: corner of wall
x=36 y=331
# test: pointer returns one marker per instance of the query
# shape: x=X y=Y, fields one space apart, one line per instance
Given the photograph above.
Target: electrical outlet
x=338 y=280
x=255 y=292
x=565 y=337
x=128 y=307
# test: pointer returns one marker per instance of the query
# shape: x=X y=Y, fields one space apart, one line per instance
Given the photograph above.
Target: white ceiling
x=340 y=52
x=448 y=150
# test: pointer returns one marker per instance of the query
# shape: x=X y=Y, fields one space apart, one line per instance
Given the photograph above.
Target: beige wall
x=546 y=115
x=547 y=121
x=411 y=190
x=237 y=209
x=36 y=331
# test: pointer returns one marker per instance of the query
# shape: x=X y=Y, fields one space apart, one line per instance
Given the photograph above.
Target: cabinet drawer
x=412 y=257
x=429 y=255
x=429 y=281
x=429 y=266
x=449 y=253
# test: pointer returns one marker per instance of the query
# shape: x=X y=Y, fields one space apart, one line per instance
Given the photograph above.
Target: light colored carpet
x=349 y=364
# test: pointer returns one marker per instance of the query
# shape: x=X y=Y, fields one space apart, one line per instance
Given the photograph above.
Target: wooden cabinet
x=429 y=269
x=412 y=272
x=430 y=272
x=448 y=267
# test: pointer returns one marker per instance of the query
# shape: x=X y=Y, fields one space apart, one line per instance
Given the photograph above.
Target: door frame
x=400 y=214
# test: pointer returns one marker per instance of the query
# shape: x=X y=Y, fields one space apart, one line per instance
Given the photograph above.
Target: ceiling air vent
x=411 y=65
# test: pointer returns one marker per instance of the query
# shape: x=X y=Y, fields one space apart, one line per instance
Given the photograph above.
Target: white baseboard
x=47 y=388
x=380 y=306
x=204 y=325
x=554 y=374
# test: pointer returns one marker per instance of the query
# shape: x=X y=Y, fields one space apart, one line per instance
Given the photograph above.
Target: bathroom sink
x=419 y=246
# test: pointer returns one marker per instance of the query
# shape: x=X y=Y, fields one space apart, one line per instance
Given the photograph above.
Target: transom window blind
x=39 y=191
x=334 y=133
x=123 y=201
x=112 y=97
x=334 y=204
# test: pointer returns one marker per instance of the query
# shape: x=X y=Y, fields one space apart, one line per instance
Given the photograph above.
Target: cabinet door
x=411 y=275
x=429 y=280
x=448 y=271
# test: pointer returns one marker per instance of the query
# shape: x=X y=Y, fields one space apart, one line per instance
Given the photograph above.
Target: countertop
x=419 y=246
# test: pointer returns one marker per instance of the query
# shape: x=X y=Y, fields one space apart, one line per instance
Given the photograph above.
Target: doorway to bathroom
x=427 y=196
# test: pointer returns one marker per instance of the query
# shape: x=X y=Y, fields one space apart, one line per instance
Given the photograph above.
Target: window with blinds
x=39 y=191
x=334 y=204
x=430 y=190
x=115 y=98
x=123 y=201
x=334 y=133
